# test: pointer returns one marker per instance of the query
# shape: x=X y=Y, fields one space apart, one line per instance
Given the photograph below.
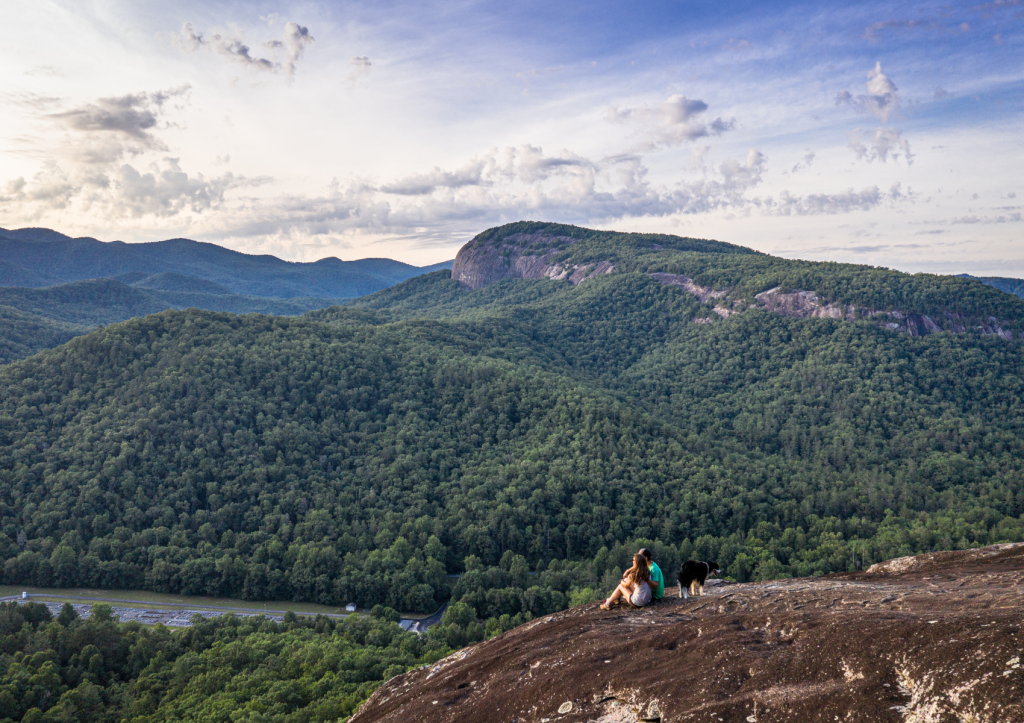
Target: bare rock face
x=803 y=304
x=703 y=293
x=520 y=256
x=933 y=639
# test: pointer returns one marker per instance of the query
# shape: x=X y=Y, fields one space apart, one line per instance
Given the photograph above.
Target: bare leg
x=622 y=590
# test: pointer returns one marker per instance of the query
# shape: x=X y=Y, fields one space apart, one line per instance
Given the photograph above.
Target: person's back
x=657 y=577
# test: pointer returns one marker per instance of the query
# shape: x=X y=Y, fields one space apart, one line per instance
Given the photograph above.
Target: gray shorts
x=641 y=596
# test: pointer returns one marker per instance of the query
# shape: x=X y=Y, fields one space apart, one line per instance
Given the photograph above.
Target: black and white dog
x=692 y=576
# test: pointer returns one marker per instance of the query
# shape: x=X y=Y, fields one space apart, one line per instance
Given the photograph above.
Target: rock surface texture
x=929 y=639
x=803 y=304
x=520 y=256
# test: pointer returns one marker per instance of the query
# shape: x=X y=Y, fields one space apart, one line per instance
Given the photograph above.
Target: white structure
x=351 y=607
x=24 y=596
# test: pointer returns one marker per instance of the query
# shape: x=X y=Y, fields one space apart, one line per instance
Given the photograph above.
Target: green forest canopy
x=268 y=458
x=526 y=437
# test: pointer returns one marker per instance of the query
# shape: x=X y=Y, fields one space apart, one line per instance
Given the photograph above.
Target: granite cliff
x=520 y=256
x=930 y=639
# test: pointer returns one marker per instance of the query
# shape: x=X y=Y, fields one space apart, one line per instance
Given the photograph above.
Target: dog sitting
x=692 y=576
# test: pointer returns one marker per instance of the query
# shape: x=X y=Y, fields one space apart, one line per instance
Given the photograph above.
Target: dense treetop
x=506 y=449
x=270 y=457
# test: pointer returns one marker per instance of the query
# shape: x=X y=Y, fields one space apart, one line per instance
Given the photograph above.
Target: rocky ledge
x=520 y=256
x=929 y=639
x=804 y=304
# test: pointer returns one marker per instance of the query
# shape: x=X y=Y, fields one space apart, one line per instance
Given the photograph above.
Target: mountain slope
x=1010 y=286
x=23 y=334
x=940 y=640
x=776 y=445
x=170 y=281
x=527 y=436
x=362 y=452
x=86 y=304
x=41 y=257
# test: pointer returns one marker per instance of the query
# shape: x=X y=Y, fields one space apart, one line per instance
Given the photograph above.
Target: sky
x=889 y=134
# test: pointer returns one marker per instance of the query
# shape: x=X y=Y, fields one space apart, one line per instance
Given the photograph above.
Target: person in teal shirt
x=657 y=578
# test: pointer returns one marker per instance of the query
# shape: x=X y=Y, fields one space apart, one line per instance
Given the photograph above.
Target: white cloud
x=420 y=184
x=133 y=117
x=804 y=163
x=88 y=175
x=160 y=190
x=881 y=101
x=883 y=144
x=296 y=40
x=676 y=120
x=164 y=190
x=824 y=203
x=360 y=67
x=286 y=51
x=829 y=204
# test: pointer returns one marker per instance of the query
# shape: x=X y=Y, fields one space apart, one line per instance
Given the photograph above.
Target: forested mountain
x=108 y=283
x=1010 y=286
x=35 y=319
x=783 y=418
x=524 y=434
x=34 y=257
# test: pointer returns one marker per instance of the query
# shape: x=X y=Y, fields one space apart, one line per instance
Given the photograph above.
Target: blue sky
x=888 y=134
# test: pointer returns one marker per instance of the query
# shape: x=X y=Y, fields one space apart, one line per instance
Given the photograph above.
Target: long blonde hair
x=639 y=572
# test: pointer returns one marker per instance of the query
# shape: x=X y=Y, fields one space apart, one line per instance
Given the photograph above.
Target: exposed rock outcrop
x=520 y=256
x=703 y=293
x=804 y=304
x=934 y=639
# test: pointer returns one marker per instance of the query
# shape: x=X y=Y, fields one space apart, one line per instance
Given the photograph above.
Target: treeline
x=65 y=669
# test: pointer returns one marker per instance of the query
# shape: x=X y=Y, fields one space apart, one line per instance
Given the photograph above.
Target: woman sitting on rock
x=635 y=586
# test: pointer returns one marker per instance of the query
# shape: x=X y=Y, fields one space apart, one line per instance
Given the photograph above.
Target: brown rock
x=934 y=639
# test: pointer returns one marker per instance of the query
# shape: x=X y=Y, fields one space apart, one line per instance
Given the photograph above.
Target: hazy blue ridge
x=108 y=301
x=41 y=257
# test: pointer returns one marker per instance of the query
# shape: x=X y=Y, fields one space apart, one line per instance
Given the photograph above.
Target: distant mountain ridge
x=37 y=257
x=54 y=287
x=1010 y=286
x=35 y=319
